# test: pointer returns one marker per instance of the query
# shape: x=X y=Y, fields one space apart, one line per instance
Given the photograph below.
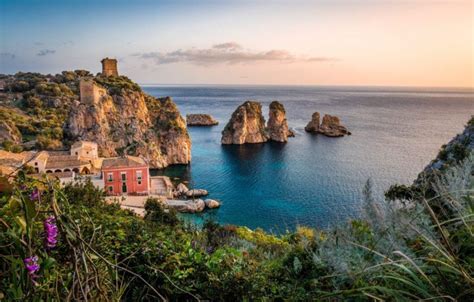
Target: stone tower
x=109 y=67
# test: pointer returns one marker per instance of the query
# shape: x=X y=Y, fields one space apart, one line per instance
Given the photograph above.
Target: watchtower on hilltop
x=109 y=67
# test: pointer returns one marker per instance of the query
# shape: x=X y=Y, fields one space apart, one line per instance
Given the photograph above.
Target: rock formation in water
x=211 y=203
x=330 y=126
x=129 y=121
x=200 y=120
x=277 y=126
x=313 y=125
x=246 y=125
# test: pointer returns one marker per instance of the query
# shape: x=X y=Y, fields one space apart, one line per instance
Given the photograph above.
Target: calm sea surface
x=314 y=180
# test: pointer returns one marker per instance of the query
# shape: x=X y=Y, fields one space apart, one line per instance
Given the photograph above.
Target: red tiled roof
x=123 y=162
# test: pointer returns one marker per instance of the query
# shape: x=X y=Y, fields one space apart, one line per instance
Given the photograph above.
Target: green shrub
x=156 y=212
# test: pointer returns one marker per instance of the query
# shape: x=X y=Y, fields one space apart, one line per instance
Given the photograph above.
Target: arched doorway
x=67 y=170
x=57 y=171
x=75 y=170
x=49 y=171
x=85 y=170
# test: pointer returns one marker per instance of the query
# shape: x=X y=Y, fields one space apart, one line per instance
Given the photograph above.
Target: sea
x=313 y=180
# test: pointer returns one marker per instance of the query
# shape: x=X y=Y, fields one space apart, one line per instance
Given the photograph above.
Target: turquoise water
x=314 y=180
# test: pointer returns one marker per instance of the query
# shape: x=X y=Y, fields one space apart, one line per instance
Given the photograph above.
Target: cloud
x=7 y=55
x=227 y=45
x=226 y=53
x=45 y=52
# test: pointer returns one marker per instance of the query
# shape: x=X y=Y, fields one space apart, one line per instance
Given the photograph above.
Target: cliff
x=453 y=153
x=53 y=111
x=129 y=121
x=277 y=126
x=246 y=126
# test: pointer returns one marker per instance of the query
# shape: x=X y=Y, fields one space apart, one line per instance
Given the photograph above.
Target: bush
x=156 y=212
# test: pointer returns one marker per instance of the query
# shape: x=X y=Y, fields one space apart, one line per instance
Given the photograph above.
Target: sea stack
x=277 y=126
x=313 y=125
x=331 y=126
x=200 y=120
x=246 y=126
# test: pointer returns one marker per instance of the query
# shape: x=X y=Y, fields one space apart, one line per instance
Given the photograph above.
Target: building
x=89 y=92
x=109 y=67
x=87 y=151
x=83 y=158
x=59 y=161
x=125 y=175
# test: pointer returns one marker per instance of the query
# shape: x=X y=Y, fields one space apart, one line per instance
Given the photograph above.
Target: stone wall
x=90 y=92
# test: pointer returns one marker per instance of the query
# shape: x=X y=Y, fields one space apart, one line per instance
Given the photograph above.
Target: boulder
x=246 y=126
x=200 y=120
x=211 y=203
x=331 y=126
x=182 y=189
x=313 y=125
x=187 y=206
x=196 y=193
x=277 y=126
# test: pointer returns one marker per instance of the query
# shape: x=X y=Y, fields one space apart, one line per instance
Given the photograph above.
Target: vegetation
x=38 y=105
x=69 y=244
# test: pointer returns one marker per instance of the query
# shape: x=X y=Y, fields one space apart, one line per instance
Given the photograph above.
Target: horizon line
x=312 y=85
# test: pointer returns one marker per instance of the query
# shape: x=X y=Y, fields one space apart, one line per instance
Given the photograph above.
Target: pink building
x=125 y=175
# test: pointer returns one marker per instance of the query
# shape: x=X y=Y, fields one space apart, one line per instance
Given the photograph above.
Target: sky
x=321 y=42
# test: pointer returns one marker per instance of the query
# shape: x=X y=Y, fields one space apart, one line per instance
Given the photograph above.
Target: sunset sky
x=373 y=42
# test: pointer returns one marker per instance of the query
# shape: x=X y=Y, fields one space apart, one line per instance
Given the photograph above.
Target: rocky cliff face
x=454 y=152
x=277 y=126
x=129 y=121
x=246 y=125
x=330 y=126
x=200 y=120
x=9 y=132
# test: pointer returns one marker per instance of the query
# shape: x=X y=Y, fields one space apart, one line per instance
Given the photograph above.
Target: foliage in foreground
x=399 y=251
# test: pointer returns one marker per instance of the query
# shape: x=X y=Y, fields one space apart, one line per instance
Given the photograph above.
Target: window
x=111 y=189
x=124 y=188
x=110 y=177
x=36 y=163
x=139 y=177
x=76 y=153
x=124 y=176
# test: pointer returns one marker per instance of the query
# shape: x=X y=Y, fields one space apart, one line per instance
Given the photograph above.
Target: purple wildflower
x=35 y=194
x=32 y=266
x=51 y=232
